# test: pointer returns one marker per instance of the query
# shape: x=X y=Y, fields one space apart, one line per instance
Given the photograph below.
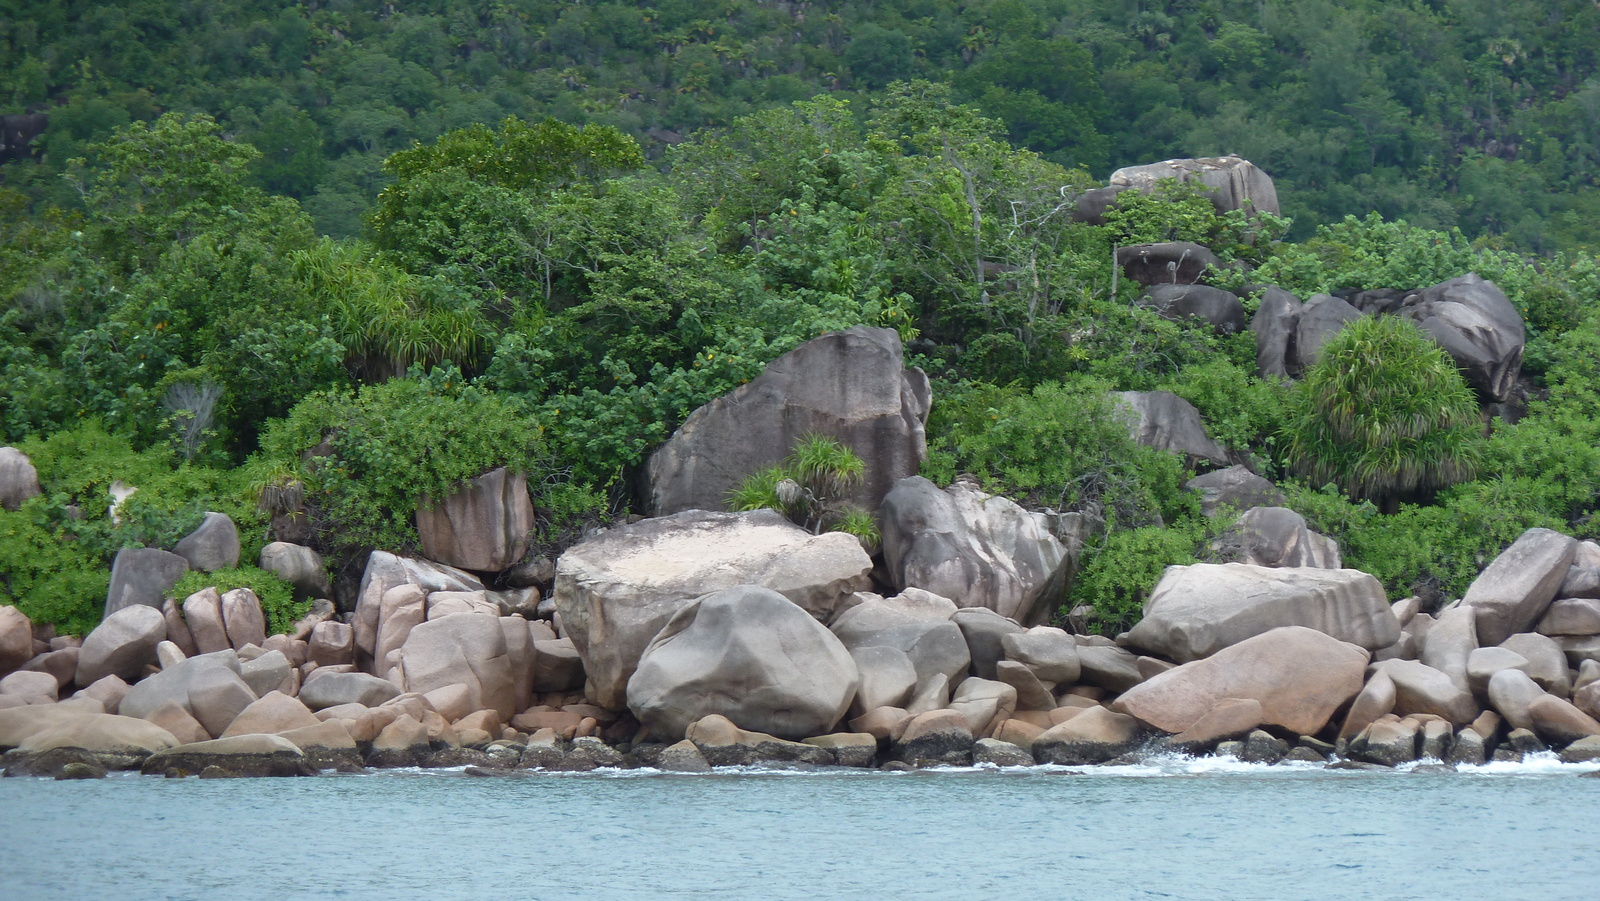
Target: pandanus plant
x=1385 y=415
x=809 y=488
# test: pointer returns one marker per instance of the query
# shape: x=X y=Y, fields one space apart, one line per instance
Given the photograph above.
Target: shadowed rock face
x=617 y=590
x=851 y=386
x=1165 y=421
x=1477 y=326
x=974 y=548
x=1222 y=309
x=1168 y=263
x=1196 y=611
x=1274 y=325
x=751 y=655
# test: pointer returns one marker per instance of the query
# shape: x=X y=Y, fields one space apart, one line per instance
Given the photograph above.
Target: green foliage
x=808 y=487
x=276 y=595
x=1383 y=414
x=375 y=453
x=46 y=574
x=1240 y=410
x=1119 y=575
x=1061 y=445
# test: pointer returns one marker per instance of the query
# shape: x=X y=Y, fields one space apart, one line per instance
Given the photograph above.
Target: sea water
x=1173 y=828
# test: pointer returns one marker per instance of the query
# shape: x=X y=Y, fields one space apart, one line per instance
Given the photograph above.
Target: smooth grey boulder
x=1195 y=611
x=208 y=687
x=985 y=630
x=122 y=645
x=934 y=645
x=18 y=479
x=1511 y=691
x=1375 y=700
x=1476 y=324
x=1276 y=537
x=1322 y=317
x=143 y=575
x=1165 y=421
x=851 y=386
x=1513 y=591
x=266 y=673
x=976 y=549
x=385 y=571
x=213 y=545
x=1169 y=263
x=465 y=649
x=617 y=590
x=749 y=654
x=1449 y=643
x=1234 y=183
x=1483 y=663
x=1049 y=653
x=1109 y=667
x=1571 y=616
x=1547 y=664
x=298 y=565
x=887 y=678
x=1275 y=326
x=1581 y=581
x=1222 y=310
x=1093 y=204
x=324 y=689
x=482 y=525
x=1420 y=688
x=1301 y=677
x=1233 y=487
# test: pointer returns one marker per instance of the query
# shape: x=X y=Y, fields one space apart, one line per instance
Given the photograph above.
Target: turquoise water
x=1181 y=829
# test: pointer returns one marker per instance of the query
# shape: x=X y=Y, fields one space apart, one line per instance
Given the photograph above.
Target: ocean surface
x=1177 y=828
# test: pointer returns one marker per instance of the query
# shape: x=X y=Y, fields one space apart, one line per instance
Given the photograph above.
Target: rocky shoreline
x=695 y=639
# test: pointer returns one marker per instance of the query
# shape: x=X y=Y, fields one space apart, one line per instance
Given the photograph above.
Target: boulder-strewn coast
x=703 y=638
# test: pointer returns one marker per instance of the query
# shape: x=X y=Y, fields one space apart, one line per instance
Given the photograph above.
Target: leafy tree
x=1384 y=414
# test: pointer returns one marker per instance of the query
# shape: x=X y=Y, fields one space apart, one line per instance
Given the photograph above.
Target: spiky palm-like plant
x=1384 y=414
x=808 y=487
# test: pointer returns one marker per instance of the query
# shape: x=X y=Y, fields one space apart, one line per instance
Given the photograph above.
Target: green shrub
x=807 y=488
x=46 y=574
x=389 y=445
x=1117 y=577
x=1383 y=414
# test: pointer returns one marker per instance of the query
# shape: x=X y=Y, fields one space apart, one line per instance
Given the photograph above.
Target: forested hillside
x=1446 y=113
x=309 y=267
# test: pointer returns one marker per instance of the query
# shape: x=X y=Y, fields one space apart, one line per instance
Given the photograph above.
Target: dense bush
x=276 y=596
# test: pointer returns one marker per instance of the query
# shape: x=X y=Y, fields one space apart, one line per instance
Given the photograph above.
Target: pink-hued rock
x=404 y=607
x=482 y=525
x=242 y=617
x=466 y=649
x=1513 y=592
x=273 y=712
x=16 y=638
x=1420 y=688
x=1559 y=722
x=1300 y=676
x=202 y=613
x=332 y=643
x=385 y=571
x=33 y=687
x=1375 y=700
x=108 y=691
x=1231 y=718
x=1511 y=692
x=122 y=645
x=178 y=629
x=179 y=721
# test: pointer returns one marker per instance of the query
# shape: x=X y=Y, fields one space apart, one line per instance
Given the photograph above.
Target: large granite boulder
x=1093 y=736
x=324 y=689
x=1196 y=611
x=208 y=687
x=1234 y=183
x=1513 y=591
x=1222 y=310
x=1301 y=677
x=1275 y=325
x=1322 y=317
x=1477 y=326
x=977 y=549
x=1450 y=642
x=18 y=479
x=1420 y=688
x=119 y=742
x=122 y=645
x=1165 y=421
x=16 y=639
x=851 y=386
x=482 y=525
x=212 y=546
x=1276 y=537
x=1169 y=263
x=298 y=565
x=465 y=649
x=1233 y=487
x=143 y=575
x=1571 y=616
x=913 y=623
x=615 y=591
x=1093 y=204
x=751 y=655
x=385 y=571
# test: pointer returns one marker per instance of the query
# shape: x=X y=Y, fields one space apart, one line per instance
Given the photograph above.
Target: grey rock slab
x=1276 y=537
x=1547 y=663
x=1571 y=616
x=1220 y=309
x=1235 y=488
x=329 y=689
x=1477 y=325
x=1451 y=640
x=298 y=565
x=1166 y=263
x=1274 y=325
x=1233 y=183
x=1516 y=588
x=1049 y=652
x=935 y=646
x=483 y=524
x=1167 y=422
x=19 y=480
x=1197 y=610
x=1322 y=317
x=984 y=631
x=1483 y=663
x=888 y=678
x=213 y=545
x=122 y=645
x=143 y=575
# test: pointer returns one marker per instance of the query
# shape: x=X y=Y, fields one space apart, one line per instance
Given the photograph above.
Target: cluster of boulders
x=697 y=638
